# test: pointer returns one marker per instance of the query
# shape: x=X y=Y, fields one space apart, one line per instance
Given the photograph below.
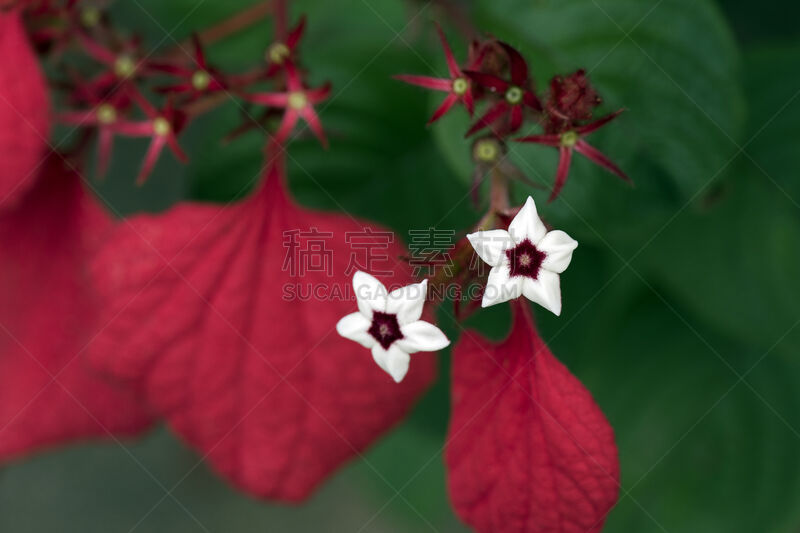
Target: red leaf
x=263 y=387
x=48 y=317
x=24 y=123
x=529 y=451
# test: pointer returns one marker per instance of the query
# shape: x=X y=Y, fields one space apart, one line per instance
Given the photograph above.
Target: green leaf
x=736 y=263
x=699 y=449
x=773 y=89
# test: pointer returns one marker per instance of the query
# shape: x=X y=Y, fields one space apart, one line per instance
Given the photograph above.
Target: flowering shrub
x=201 y=332
x=275 y=339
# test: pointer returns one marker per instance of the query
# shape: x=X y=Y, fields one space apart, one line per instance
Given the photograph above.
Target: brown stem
x=203 y=105
x=230 y=26
x=237 y=22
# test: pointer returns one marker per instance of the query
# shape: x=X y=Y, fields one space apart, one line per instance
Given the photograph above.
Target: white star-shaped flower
x=526 y=259
x=390 y=325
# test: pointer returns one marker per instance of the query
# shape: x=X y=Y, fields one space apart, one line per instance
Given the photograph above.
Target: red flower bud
x=572 y=100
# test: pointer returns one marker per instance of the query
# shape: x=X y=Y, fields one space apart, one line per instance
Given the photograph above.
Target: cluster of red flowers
x=107 y=326
x=564 y=114
x=114 y=98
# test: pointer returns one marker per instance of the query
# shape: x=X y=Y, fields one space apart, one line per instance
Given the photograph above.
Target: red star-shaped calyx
x=162 y=126
x=571 y=102
x=104 y=115
x=298 y=101
x=516 y=93
x=123 y=66
x=198 y=79
x=282 y=51
x=458 y=85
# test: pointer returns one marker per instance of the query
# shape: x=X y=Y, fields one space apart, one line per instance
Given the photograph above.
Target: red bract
x=458 y=85
x=47 y=319
x=298 y=101
x=197 y=80
x=209 y=326
x=516 y=94
x=529 y=451
x=573 y=139
x=24 y=109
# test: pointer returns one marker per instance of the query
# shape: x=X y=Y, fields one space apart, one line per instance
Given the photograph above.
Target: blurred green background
x=681 y=308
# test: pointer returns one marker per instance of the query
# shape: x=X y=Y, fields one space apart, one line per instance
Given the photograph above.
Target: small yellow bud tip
x=161 y=126
x=569 y=139
x=514 y=95
x=106 y=114
x=124 y=67
x=486 y=151
x=460 y=86
x=90 y=17
x=278 y=53
x=201 y=80
x=298 y=100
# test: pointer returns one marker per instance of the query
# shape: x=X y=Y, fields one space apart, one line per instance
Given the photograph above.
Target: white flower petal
x=354 y=327
x=559 y=247
x=500 y=287
x=370 y=293
x=491 y=245
x=380 y=356
x=393 y=361
x=421 y=336
x=527 y=224
x=545 y=291
x=407 y=302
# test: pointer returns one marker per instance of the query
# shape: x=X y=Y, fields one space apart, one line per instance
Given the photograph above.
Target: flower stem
x=498 y=199
x=236 y=23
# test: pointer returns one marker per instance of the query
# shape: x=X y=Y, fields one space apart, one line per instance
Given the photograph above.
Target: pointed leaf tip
x=529 y=450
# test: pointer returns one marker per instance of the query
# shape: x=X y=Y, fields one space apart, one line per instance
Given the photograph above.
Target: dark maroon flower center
x=385 y=329
x=525 y=259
